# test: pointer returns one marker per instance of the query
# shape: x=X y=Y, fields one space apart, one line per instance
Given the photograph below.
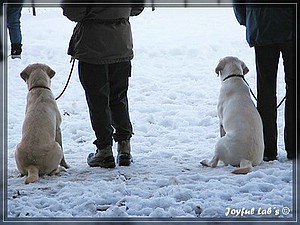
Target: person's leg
x=94 y=79
x=14 y=29
x=289 y=62
x=119 y=74
x=267 y=58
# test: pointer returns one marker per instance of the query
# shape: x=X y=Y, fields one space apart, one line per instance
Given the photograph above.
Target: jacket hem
x=104 y=61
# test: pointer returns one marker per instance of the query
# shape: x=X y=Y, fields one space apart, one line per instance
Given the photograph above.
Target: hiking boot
x=102 y=158
x=16 y=50
x=124 y=157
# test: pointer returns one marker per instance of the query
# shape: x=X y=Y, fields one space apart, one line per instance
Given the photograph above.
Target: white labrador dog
x=241 y=129
x=40 y=150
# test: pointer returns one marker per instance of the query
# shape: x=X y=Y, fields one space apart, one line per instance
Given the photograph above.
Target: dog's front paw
x=62 y=169
x=205 y=162
x=64 y=163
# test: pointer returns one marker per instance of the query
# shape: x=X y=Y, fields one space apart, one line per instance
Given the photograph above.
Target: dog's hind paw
x=245 y=167
x=243 y=170
x=31 y=179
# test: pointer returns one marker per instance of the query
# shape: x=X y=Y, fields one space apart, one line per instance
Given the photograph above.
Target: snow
x=173 y=96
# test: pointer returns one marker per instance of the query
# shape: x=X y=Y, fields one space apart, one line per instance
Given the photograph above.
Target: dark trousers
x=267 y=58
x=106 y=89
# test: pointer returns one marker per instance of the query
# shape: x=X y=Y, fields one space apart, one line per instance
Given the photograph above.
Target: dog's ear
x=50 y=72
x=245 y=68
x=25 y=74
x=219 y=67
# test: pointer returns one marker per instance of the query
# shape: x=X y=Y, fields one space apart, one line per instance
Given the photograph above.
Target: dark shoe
x=16 y=50
x=124 y=157
x=269 y=158
x=102 y=158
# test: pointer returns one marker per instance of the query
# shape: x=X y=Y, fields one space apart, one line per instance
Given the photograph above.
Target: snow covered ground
x=173 y=96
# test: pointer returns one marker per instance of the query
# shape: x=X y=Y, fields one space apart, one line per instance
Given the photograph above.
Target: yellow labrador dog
x=40 y=150
x=241 y=130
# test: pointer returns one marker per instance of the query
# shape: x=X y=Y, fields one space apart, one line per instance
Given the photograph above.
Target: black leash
x=252 y=93
x=71 y=71
x=33 y=8
x=280 y=103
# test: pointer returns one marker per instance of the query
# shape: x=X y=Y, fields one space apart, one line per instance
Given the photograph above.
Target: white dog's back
x=241 y=143
x=242 y=124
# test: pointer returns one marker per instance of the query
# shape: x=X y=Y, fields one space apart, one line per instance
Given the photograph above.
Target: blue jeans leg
x=14 y=24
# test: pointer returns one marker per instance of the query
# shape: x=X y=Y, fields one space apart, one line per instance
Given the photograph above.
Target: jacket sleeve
x=240 y=11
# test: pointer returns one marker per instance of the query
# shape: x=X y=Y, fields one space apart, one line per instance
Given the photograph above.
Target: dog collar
x=234 y=75
x=39 y=87
x=242 y=76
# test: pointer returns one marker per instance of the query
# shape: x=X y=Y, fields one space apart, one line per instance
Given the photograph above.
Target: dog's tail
x=245 y=167
x=33 y=174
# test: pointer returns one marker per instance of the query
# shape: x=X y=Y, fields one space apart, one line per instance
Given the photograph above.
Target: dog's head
x=231 y=65
x=36 y=66
x=37 y=74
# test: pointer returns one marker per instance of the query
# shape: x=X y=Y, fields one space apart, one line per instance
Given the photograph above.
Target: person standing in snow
x=102 y=42
x=271 y=31
x=14 y=26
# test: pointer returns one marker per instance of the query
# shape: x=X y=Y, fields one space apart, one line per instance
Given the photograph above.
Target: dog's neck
x=234 y=75
x=39 y=86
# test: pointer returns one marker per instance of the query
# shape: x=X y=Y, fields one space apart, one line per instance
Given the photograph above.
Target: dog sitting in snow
x=241 y=129
x=40 y=150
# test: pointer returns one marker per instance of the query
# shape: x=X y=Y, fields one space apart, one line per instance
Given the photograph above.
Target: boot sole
x=103 y=165
x=16 y=56
x=108 y=162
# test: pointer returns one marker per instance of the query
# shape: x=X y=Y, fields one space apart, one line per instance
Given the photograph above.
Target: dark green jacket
x=102 y=34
